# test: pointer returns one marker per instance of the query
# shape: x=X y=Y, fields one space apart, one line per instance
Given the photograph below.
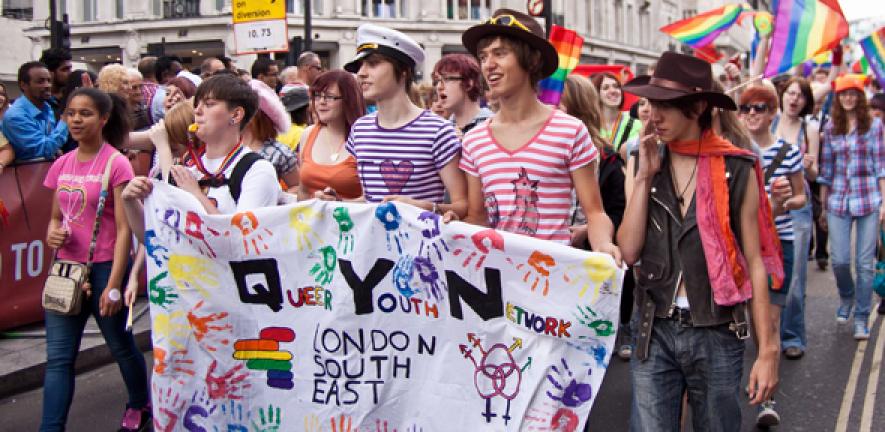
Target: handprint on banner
x=169 y=224
x=155 y=250
x=169 y=404
x=593 y=348
x=552 y=418
x=345 y=227
x=269 y=421
x=402 y=275
x=198 y=412
x=193 y=273
x=228 y=385
x=414 y=428
x=483 y=241
x=324 y=270
x=427 y=273
x=300 y=219
x=207 y=327
x=571 y=393
x=344 y=424
x=247 y=223
x=380 y=426
x=312 y=423
x=161 y=292
x=432 y=236
x=537 y=267
x=597 y=271
x=235 y=418
x=176 y=363
x=171 y=328
x=587 y=318
x=194 y=227
x=390 y=219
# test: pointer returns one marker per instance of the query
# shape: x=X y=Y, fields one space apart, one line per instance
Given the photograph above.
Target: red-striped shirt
x=529 y=190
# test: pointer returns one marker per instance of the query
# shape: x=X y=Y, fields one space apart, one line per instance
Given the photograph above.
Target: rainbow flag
x=699 y=31
x=803 y=29
x=874 y=52
x=568 y=44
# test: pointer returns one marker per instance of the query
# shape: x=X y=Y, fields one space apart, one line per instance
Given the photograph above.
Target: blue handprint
x=155 y=250
x=390 y=218
x=402 y=276
x=236 y=421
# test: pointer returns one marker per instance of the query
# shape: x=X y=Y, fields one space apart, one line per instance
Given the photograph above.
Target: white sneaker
x=767 y=415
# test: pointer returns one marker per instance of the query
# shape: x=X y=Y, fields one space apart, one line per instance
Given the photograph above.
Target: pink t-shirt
x=529 y=190
x=77 y=186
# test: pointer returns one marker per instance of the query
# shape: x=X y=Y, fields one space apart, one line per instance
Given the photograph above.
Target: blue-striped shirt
x=791 y=164
x=404 y=161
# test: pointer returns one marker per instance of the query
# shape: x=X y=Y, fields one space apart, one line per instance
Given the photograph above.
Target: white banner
x=329 y=316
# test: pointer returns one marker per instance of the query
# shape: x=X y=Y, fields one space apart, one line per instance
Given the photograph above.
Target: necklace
x=70 y=207
x=338 y=152
x=615 y=126
x=216 y=179
x=680 y=197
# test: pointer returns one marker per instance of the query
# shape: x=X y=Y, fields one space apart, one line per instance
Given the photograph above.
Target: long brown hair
x=861 y=111
x=581 y=100
x=353 y=106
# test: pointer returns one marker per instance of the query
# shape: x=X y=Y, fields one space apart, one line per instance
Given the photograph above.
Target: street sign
x=260 y=26
x=535 y=7
x=261 y=36
x=258 y=10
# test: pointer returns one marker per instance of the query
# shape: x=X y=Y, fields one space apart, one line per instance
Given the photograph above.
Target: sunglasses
x=508 y=21
x=758 y=107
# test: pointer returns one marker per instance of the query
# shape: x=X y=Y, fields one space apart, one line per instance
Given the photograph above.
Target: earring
x=232 y=121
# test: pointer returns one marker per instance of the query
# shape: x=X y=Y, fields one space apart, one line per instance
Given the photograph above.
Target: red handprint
x=483 y=241
x=193 y=228
x=202 y=325
x=168 y=407
x=175 y=363
x=226 y=386
x=344 y=424
x=540 y=264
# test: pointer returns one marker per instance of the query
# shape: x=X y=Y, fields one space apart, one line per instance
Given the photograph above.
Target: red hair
x=761 y=94
x=465 y=66
x=353 y=105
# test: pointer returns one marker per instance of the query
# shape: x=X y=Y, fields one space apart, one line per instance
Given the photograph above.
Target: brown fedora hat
x=517 y=25
x=678 y=76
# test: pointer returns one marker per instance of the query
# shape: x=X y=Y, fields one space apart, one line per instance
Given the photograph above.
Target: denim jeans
x=705 y=361
x=793 y=315
x=857 y=293
x=63 y=335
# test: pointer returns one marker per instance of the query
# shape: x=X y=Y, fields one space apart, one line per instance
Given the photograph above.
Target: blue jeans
x=63 y=335
x=793 y=315
x=860 y=293
x=705 y=361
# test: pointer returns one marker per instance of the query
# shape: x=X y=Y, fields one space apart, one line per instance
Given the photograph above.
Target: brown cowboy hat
x=523 y=28
x=678 y=76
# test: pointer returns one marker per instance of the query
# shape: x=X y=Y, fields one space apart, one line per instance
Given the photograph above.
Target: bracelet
x=435 y=208
x=114 y=295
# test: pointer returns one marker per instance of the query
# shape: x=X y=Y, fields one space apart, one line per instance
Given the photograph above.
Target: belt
x=681 y=316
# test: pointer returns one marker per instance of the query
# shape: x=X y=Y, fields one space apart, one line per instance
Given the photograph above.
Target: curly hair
x=861 y=110
x=112 y=77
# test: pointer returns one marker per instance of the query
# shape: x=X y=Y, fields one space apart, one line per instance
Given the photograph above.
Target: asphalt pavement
x=832 y=388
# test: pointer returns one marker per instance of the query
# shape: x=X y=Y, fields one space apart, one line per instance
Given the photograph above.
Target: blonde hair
x=111 y=78
x=580 y=99
x=289 y=75
x=177 y=120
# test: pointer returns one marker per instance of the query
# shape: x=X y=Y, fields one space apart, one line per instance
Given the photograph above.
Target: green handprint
x=602 y=328
x=345 y=225
x=161 y=295
x=270 y=420
x=324 y=270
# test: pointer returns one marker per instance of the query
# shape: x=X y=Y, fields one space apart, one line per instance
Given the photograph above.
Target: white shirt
x=260 y=187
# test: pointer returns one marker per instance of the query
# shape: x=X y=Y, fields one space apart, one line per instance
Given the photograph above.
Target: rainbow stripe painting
x=568 y=45
x=874 y=52
x=803 y=29
x=699 y=31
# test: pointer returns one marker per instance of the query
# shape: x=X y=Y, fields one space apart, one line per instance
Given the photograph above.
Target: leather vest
x=673 y=252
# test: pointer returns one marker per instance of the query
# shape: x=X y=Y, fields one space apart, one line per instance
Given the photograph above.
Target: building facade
x=104 y=31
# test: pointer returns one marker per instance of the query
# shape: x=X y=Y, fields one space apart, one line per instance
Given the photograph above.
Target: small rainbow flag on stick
x=700 y=31
x=874 y=51
x=568 y=44
x=803 y=29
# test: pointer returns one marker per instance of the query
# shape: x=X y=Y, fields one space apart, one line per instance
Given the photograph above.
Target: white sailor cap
x=371 y=38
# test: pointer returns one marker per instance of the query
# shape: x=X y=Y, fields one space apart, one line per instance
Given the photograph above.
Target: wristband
x=114 y=295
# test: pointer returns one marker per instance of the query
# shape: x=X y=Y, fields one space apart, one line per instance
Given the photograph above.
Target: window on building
x=383 y=8
x=619 y=20
x=89 y=7
x=180 y=8
x=596 y=27
x=219 y=5
x=158 y=7
x=120 y=9
x=297 y=7
x=468 y=9
x=18 y=9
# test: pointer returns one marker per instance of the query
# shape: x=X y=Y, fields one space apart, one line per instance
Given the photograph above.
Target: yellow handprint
x=171 y=327
x=598 y=272
x=300 y=219
x=191 y=272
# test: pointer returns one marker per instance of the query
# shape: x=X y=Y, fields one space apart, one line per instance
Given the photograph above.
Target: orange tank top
x=341 y=176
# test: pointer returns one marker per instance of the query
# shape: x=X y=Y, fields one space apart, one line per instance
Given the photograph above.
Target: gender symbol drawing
x=495 y=374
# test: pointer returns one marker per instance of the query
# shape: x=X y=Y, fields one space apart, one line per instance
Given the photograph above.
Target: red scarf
x=721 y=250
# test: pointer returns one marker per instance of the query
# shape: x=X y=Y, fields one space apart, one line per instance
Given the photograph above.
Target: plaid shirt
x=148 y=90
x=851 y=166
